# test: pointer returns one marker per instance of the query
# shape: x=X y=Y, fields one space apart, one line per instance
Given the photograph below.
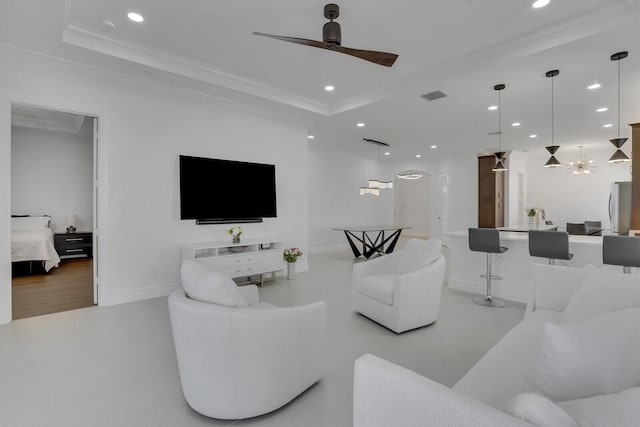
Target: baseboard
x=133 y=295
x=328 y=248
x=481 y=289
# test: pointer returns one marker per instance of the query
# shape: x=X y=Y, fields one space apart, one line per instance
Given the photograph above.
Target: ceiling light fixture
x=533 y=135
x=410 y=175
x=418 y=155
x=607 y=125
x=360 y=124
x=434 y=146
x=493 y=108
x=310 y=137
x=552 y=162
x=516 y=124
x=601 y=110
x=619 y=156
x=582 y=167
x=135 y=17
x=499 y=167
x=540 y=3
x=387 y=153
x=329 y=88
x=594 y=86
x=375 y=185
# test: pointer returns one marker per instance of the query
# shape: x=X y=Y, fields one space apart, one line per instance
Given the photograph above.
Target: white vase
x=291 y=270
x=530 y=220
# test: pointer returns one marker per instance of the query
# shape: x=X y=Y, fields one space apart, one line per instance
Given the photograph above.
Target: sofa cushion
x=618 y=409
x=603 y=291
x=203 y=282
x=598 y=355
x=538 y=410
x=379 y=287
x=418 y=254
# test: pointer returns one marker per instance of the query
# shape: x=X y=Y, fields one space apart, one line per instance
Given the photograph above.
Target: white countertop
x=515 y=236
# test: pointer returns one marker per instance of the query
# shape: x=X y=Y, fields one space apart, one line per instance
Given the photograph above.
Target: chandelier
x=582 y=166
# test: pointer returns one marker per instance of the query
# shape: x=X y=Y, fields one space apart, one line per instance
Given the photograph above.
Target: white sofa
x=401 y=290
x=388 y=395
x=244 y=358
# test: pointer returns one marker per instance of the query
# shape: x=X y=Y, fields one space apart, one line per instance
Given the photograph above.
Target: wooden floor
x=67 y=287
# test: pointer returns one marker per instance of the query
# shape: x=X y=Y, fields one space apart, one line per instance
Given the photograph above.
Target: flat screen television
x=223 y=191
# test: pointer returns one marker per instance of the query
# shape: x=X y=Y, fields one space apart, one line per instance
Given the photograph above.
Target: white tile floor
x=116 y=366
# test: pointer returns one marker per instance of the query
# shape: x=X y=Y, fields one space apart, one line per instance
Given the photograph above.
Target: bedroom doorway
x=53 y=208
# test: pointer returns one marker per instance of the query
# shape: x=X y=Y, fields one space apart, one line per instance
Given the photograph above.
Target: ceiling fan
x=331 y=39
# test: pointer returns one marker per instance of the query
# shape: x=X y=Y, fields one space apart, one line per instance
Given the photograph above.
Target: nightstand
x=74 y=244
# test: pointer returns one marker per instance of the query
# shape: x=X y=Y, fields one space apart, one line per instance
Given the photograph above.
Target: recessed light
x=360 y=124
x=594 y=86
x=602 y=109
x=608 y=125
x=493 y=108
x=387 y=153
x=540 y=3
x=310 y=136
x=329 y=88
x=418 y=155
x=533 y=135
x=434 y=146
x=135 y=17
x=515 y=124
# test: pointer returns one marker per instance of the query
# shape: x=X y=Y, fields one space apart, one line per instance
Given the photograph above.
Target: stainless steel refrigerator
x=620 y=207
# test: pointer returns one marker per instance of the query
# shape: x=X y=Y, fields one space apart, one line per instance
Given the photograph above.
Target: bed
x=32 y=240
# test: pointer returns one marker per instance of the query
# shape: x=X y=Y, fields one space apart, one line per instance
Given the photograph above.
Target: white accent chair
x=245 y=360
x=401 y=290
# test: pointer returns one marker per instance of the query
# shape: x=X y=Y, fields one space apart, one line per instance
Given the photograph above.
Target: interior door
x=96 y=233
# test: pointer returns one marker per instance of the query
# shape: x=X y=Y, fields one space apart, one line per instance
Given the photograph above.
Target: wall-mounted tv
x=224 y=191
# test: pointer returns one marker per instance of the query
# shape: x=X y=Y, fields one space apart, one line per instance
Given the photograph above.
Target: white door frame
x=100 y=197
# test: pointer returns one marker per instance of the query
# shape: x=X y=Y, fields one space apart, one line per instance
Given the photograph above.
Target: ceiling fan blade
x=296 y=40
x=381 y=58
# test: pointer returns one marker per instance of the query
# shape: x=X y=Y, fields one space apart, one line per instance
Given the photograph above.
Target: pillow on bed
x=29 y=223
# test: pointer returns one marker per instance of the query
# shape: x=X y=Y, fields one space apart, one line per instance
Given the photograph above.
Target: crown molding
x=78 y=35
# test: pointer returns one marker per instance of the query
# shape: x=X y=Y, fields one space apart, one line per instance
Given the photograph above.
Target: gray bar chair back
x=621 y=250
x=549 y=244
x=487 y=240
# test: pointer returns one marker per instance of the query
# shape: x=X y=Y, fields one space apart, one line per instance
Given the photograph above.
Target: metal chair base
x=489 y=302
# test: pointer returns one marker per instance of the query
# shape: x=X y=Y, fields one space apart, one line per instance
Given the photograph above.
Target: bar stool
x=621 y=250
x=549 y=244
x=487 y=240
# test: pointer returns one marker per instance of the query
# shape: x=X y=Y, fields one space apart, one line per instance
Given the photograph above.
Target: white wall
x=463 y=190
x=143 y=129
x=51 y=173
x=516 y=165
x=567 y=198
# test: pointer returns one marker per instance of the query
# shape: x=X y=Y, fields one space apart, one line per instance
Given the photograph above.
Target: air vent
x=432 y=96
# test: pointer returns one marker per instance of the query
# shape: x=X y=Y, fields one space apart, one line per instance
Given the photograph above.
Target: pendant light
x=373 y=191
x=376 y=183
x=552 y=162
x=499 y=167
x=619 y=156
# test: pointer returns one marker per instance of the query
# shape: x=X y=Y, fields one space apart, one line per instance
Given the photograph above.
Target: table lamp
x=71 y=222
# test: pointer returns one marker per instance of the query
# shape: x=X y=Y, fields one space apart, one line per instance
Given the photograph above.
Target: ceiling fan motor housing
x=331 y=33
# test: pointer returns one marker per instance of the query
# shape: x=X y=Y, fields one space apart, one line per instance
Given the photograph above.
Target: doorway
x=412 y=203
x=53 y=200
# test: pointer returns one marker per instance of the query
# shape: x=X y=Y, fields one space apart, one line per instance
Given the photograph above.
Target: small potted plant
x=291 y=255
x=531 y=214
x=235 y=232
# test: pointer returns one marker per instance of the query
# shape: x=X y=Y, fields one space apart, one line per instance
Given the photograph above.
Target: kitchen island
x=514 y=266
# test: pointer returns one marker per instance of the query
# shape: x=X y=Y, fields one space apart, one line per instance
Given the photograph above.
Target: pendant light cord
x=499 y=123
x=618 y=98
x=552 y=112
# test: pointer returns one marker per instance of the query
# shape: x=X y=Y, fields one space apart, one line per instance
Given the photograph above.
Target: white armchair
x=401 y=290
x=244 y=361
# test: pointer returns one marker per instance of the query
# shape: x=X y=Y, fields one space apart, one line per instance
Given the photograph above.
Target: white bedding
x=34 y=245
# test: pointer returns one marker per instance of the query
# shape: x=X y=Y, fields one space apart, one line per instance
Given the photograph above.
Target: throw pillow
x=598 y=355
x=538 y=410
x=619 y=409
x=603 y=291
x=203 y=282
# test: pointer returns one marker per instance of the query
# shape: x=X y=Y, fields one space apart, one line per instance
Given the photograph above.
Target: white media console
x=245 y=259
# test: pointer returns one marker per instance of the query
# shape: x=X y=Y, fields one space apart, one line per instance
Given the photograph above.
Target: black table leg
x=354 y=248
